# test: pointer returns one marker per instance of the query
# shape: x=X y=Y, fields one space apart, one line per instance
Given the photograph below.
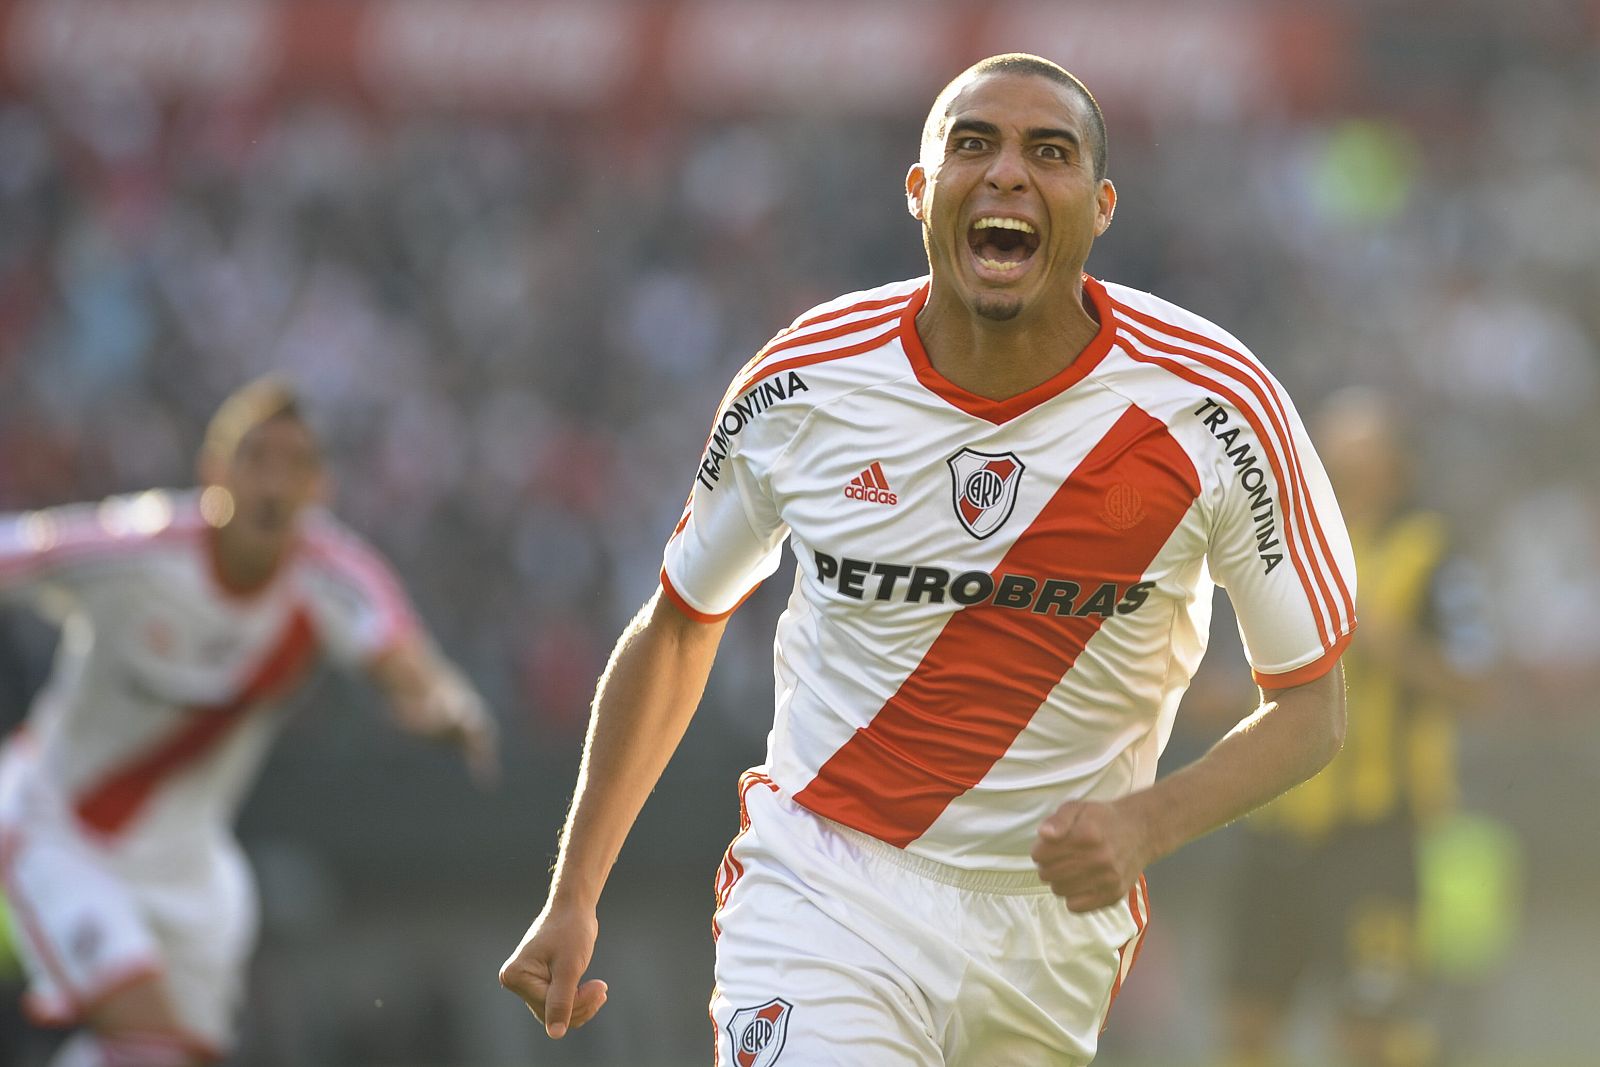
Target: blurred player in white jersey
x=1009 y=488
x=186 y=619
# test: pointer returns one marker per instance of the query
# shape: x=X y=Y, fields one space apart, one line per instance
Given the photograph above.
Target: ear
x=1105 y=206
x=916 y=186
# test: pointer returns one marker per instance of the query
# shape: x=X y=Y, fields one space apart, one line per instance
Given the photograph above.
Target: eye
x=1053 y=152
x=969 y=143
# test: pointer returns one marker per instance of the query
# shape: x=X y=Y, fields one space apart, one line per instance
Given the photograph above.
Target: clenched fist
x=547 y=967
x=1090 y=853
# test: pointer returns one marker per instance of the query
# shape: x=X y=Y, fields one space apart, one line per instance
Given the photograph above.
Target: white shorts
x=86 y=928
x=836 y=948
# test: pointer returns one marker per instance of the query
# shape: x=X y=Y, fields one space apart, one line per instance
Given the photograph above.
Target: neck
x=1002 y=359
x=240 y=566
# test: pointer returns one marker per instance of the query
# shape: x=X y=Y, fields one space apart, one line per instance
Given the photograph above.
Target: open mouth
x=1002 y=244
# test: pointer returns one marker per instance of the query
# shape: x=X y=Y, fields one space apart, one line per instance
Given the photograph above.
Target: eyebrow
x=961 y=126
x=1035 y=133
x=1053 y=133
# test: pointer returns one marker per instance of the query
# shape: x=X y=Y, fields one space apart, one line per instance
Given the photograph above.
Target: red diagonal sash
x=110 y=805
x=989 y=670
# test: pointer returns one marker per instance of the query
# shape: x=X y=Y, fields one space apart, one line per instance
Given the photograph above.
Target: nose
x=1007 y=173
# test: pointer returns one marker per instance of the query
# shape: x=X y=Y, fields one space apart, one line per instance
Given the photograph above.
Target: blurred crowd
x=514 y=329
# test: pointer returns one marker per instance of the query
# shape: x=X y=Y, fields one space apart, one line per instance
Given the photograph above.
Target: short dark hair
x=1021 y=63
x=251 y=405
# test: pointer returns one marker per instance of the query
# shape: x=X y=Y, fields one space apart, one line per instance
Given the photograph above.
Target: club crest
x=757 y=1033
x=985 y=488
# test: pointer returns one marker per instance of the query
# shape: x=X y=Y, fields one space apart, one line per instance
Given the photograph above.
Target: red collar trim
x=1001 y=411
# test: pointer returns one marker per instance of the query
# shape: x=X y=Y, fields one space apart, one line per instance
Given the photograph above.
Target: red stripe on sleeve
x=769 y=369
x=112 y=805
x=793 y=337
x=989 y=670
x=1244 y=370
x=362 y=565
x=844 y=329
x=1292 y=497
x=839 y=313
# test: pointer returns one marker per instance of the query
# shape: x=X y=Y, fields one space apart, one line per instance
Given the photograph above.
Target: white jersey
x=167 y=686
x=999 y=604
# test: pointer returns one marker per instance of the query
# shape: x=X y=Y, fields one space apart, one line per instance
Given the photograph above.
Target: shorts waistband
x=1003 y=883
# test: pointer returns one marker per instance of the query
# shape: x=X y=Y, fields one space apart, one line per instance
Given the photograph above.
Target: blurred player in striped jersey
x=1328 y=880
x=1009 y=488
x=186 y=618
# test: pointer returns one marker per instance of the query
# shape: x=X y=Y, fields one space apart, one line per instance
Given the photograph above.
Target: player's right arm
x=729 y=538
x=643 y=705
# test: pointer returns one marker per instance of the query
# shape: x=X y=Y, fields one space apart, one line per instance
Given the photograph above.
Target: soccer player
x=186 y=619
x=1009 y=488
x=1328 y=877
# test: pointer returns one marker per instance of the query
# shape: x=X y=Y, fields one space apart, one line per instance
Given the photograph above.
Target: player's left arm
x=1092 y=852
x=1296 y=611
x=429 y=696
x=368 y=621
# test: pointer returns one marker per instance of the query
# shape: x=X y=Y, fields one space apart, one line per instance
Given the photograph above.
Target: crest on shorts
x=758 y=1032
x=985 y=486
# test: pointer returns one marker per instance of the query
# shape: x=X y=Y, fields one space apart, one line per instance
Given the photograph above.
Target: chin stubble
x=997 y=308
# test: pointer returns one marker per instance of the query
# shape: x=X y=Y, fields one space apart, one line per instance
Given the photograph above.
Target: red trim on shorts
x=194 y=1045
x=78 y=1003
x=711 y=1013
x=991 y=668
x=1128 y=953
x=122 y=1047
x=32 y=929
x=1002 y=411
x=730 y=870
x=1310 y=672
x=110 y=806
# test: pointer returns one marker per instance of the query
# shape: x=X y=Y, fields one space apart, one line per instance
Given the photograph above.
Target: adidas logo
x=870 y=485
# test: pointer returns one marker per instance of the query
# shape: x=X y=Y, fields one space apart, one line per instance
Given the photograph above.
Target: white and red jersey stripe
x=163 y=698
x=1019 y=628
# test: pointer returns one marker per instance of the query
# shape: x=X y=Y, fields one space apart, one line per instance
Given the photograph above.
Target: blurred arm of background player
x=430 y=697
x=1092 y=852
x=642 y=707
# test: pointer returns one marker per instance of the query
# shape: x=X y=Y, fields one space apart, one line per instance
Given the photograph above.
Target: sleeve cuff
x=692 y=612
x=1308 y=673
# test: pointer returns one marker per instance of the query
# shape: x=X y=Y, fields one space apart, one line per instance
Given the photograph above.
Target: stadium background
x=514 y=251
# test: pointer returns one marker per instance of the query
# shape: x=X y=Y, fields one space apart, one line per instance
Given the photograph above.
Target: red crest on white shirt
x=758 y=1033
x=985 y=487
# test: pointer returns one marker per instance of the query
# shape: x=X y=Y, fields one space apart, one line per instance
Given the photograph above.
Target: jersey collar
x=1001 y=411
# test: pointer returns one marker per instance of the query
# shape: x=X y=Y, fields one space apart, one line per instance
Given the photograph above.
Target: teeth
x=997 y=223
x=995 y=264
